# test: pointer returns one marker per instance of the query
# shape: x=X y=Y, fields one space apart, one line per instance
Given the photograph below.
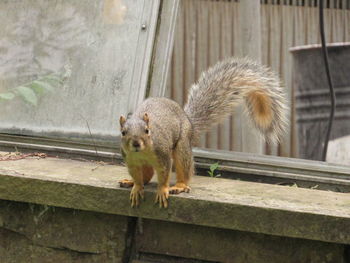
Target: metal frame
x=233 y=165
x=163 y=48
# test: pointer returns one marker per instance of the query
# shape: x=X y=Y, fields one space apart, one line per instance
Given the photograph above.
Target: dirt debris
x=14 y=156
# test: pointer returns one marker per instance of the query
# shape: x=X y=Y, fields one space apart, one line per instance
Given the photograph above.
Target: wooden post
x=250 y=31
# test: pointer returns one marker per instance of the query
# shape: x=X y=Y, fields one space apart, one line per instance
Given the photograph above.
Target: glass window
x=68 y=68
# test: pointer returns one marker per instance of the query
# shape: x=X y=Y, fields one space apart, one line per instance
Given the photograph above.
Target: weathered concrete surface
x=37 y=233
x=221 y=245
x=222 y=203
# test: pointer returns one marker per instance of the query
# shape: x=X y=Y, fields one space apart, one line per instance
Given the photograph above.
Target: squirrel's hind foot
x=126 y=183
x=179 y=188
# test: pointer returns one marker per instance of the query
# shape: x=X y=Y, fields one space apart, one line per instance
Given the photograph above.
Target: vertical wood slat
x=249 y=24
x=225 y=42
x=213 y=57
x=189 y=48
x=202 y=44
x=289 y=140
x=236 y=132
x=274 y=51
x=214 y=36
x=177 y=58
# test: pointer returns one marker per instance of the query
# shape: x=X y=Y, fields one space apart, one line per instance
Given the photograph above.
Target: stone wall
x=40 y=234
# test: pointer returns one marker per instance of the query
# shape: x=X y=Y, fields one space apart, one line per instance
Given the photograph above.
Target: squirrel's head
x=135 y=133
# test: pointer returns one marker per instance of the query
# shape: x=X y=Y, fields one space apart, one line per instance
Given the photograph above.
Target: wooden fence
x=208 y=31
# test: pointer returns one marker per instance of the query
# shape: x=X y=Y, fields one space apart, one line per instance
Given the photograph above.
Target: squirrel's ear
x=146 y=118
x=122 y=120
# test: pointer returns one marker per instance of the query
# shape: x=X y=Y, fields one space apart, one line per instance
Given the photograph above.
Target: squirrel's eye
x=123 y=133
x=147 y=131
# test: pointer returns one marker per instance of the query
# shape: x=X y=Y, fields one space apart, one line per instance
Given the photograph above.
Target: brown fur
x=160 y=129
x=260 y=106
x=147 y=173
x=184 y=166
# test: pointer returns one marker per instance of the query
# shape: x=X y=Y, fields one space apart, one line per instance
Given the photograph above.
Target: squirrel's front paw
x=162 y=197
x=136 y=195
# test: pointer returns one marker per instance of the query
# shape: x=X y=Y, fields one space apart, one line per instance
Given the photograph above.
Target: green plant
x=212 y=170
x=31 y=91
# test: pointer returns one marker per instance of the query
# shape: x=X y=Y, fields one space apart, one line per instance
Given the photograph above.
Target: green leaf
x=214 y=166
x=7 y=96
x=41 y=86
x=27 y=94
x=53 y=80
x=37 y=88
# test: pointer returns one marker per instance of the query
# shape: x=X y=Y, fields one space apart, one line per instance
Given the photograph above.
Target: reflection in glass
x=65 y=63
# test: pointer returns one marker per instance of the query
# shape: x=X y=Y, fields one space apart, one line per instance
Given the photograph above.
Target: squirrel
x=160 y=131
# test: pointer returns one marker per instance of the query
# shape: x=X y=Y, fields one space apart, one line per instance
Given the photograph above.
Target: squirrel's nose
x=136 y=144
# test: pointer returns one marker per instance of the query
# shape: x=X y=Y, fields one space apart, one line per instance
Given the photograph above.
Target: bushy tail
x=229 y=83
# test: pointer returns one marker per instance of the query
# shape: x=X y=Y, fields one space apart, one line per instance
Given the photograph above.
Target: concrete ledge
x=222 y=203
